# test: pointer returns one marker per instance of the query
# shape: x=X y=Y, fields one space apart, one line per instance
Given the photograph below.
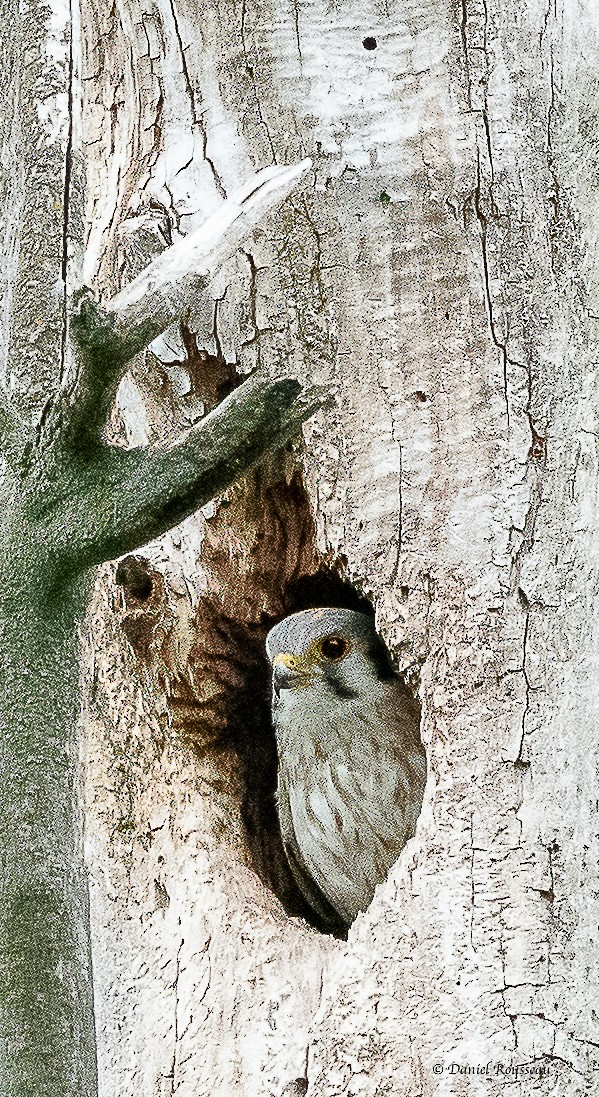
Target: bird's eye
x=334 y=647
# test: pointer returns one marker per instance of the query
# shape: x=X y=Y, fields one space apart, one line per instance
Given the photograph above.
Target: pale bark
x=441 y=269
x=70 y=500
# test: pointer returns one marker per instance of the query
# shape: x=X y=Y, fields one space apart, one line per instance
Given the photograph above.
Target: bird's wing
x=310 y=891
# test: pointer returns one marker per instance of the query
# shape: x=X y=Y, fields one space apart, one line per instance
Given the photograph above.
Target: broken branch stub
x=133 y=496
x=121 y=500
x=161 y=294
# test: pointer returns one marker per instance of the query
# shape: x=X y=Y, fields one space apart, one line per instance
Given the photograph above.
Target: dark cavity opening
x=260 y=557
x=369 y=43
x=133 y=575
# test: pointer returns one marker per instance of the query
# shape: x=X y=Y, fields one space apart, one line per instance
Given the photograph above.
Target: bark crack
x=464 y=37
x=215 y=335
x=254 y=340
x=520 y=761
x=197 y=119
x=65 y=203
x=297 y=30
x=500 y=341
x=47 y=421
x=501 y=344
x=251 y=73
x=472 y=886
x=315 y=271
x=550 y=897
x=503 y=990
x=554 y=193
x=176 y=1018
x=172 y=1075
x=155 y=127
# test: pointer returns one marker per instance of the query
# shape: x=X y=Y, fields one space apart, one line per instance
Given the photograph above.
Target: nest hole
x=260 y=553
x=261 y=561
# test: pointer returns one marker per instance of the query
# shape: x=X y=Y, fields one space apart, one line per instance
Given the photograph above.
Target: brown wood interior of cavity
x=261 y=562
x=210 y=374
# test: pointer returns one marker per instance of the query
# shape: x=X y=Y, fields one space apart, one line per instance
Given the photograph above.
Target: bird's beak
x=288 y=673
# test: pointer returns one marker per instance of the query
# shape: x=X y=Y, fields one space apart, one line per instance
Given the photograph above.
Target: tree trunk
x=46 y=1019
x=69 y=500
x=45 y=969
x=440 y=268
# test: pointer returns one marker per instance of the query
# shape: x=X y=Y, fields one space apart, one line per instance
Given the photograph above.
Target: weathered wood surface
x=441 y=266
x=70 y=501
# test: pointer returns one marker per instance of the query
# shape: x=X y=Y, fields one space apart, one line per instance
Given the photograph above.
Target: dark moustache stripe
x=343 y=692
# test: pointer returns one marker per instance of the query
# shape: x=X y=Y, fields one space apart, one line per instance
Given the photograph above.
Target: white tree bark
x=440 y=267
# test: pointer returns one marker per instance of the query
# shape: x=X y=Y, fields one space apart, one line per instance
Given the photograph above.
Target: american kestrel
x=352 y=767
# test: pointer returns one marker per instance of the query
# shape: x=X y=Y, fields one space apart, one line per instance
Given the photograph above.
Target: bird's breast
x=351 y=819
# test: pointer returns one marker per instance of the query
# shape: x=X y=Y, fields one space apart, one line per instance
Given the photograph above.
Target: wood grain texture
x=442 y=268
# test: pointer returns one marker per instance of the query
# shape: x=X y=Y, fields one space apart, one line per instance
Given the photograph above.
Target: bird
x=351 y=764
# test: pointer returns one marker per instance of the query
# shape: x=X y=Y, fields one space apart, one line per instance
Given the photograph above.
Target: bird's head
x=336 y=649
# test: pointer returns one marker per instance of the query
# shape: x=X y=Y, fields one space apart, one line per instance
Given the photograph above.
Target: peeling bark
x=71 y=500
x=440 y=269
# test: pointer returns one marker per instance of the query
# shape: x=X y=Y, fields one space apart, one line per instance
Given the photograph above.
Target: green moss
x=68 y=503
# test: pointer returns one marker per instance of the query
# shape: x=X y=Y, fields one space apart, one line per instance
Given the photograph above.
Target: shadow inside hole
x=132 y=573
x=260 y=556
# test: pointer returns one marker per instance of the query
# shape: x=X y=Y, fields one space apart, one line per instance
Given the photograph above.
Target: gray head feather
x=298 y=631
